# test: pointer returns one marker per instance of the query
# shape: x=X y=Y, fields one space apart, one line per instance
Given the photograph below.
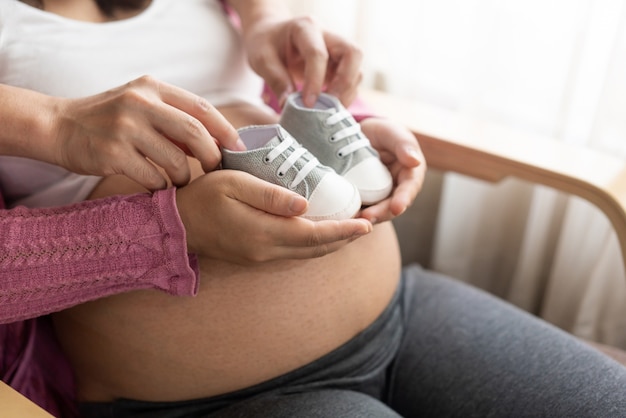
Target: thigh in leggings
x=466 y=353
x=324 y=403
x=441 y=349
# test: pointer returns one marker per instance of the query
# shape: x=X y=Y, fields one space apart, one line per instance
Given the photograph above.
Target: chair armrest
x=459 y=143
x=14 y=404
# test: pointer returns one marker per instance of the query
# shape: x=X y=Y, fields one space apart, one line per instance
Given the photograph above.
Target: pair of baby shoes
x=318 y=152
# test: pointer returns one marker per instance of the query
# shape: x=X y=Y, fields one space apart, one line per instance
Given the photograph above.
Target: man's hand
x=134 y=128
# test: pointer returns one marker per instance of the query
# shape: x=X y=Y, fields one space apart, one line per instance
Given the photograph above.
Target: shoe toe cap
x=334 y=198
x=372 y=179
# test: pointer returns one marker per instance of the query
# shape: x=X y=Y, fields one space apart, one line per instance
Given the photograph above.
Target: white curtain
x=551 y=67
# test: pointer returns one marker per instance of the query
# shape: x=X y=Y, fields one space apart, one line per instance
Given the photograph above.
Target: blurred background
x=554 y=68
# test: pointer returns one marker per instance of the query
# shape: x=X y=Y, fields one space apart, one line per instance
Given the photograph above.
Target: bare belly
x=245 y=326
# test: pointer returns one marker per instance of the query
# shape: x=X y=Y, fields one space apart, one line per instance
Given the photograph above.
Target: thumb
x=409 y=155
x=268 y=197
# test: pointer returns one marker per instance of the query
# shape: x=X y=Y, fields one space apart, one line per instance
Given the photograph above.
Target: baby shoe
x=275 y=156
x=330 y=132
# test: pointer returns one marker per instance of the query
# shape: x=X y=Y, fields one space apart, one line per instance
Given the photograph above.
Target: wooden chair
x=14 y=405
x=456 y=143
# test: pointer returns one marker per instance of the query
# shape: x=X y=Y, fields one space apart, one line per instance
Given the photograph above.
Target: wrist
x=255 y=14
x=27 y=119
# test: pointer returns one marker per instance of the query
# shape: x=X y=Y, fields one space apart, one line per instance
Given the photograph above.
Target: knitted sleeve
x=54 y=258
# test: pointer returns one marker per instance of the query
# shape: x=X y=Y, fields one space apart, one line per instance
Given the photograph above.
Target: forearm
x=27 y=123
x=52 y=259
x=251 y=12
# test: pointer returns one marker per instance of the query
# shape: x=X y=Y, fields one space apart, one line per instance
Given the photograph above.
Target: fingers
x=391 y=207
x=201 y=121
x=275 y=74
x=300 y=238
x=174 y=121
x=346 y=77
x=328 y=59
x=182 y=128
x=232 y=215
x=308 y=41
x=409 y=154
x=278 y=201
x=266 y=197
x=171 y=158
x=402 y=155
x=409 y=182
x=143 y=172
x=185 y=119
x=297 y=51
x=315 y=234
x=285 y=233
x=139 y=127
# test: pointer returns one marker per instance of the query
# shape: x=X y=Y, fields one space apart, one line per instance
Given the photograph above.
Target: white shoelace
x=291 y=161
x=348 y=131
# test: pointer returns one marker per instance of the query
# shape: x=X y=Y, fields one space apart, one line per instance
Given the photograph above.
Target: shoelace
x=290 y=161
x=348 y=131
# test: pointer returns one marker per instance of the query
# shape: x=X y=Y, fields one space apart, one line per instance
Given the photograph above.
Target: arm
x=252 y=11
x=51 y=259
x=56 y=258
x=290 y=53
x=126 y=130
x=26 y=120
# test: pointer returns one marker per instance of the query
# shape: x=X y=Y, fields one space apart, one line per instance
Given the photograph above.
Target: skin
x=256 y=316
x=292 y=291
x=286 y=51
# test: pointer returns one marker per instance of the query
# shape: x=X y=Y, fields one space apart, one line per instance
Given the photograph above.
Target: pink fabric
x=55 y=258
x=33 y=364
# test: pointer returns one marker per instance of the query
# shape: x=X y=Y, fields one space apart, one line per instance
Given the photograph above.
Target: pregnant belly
x=245 y=326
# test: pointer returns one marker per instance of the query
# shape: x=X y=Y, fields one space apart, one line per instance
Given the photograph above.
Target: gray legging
x=441 y=349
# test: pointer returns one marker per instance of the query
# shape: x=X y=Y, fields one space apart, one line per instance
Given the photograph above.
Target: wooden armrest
x=455 y=142
x=15 y=405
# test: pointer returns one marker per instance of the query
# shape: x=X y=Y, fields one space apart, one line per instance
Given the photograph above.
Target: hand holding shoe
x=117 y=131
x=288 y=51
x=274 y=155
x=234 y=216
x=399 y=150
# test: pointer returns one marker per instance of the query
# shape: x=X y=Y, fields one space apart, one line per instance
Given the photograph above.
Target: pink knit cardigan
x=52 y=259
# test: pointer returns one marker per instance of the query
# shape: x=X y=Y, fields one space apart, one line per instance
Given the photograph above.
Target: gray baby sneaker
x=332 y=135
x=275 y=156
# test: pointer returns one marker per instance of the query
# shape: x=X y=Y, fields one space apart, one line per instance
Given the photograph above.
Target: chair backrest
x=487 y=151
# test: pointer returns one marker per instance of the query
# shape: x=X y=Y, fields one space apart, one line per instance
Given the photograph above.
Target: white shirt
x=188 y=43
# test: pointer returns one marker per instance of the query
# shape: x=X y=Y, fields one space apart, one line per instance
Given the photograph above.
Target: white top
x=187 y=43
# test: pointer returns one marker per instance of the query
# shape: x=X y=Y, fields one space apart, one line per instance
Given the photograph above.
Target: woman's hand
x=231 y=215
x=288 y=52
x=403 y=157
x=130 y=129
